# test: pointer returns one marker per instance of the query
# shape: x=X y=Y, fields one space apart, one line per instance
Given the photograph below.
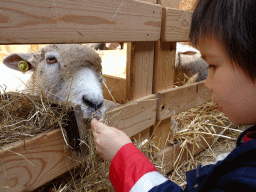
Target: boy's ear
x=16 y=60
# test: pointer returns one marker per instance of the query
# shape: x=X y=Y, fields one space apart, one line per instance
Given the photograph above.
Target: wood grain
x=139 y=69
x=36 y=21
x=173 y=101
x=28 y=165
x=149 y=1
x=163 y=69
x=139 y=74
x=117 y=87
x=175 y=25
x=169 y=3
x=134 y=116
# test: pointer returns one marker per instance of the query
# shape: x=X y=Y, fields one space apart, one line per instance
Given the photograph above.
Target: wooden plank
x=139 y=74
x=78 y=21
x=139 y=69
x=175 y=25
x=163 y=79
x=29 y=165
x=163 y=68
x=173 y=101
x=134 y=116
x=150 y=1
x=188 y=5
x=169 y=3
x=117 y=87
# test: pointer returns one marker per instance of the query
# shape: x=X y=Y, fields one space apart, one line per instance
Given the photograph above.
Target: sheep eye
x=51 y=60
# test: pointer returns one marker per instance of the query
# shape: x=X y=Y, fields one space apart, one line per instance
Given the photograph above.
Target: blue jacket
x=131 y=171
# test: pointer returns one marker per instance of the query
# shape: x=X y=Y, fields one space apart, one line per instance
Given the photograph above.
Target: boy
x=224 y=32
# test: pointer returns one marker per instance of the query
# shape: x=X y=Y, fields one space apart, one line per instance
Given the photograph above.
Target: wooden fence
x=152 y=31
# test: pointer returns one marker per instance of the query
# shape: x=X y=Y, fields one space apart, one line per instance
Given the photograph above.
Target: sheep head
x=64 y=72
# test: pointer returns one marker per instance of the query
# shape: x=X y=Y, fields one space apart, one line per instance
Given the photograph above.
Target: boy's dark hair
x=233 y=24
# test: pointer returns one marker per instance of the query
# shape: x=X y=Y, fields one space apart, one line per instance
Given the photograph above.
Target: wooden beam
x=175 y=25
x=165 y=53
x=134 y=116
x=117 y=87
x=169 y=3
x=188 y=5
x=149 y=1
x=173 y=101
x=78 y=21
x=139 y=69
x=163 y=79
x=164 y=66
x=29 y=165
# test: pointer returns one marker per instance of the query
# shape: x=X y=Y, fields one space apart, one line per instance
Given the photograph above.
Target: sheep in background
x=64 y=72
x=188 y=62
x=105 y=46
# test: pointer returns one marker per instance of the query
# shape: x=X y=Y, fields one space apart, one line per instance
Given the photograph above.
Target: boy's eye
x=211 y=67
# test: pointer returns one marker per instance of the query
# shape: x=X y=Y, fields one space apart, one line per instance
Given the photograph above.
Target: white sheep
x=68 y=72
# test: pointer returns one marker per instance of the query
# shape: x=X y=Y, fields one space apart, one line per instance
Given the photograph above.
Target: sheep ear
x=14 y=59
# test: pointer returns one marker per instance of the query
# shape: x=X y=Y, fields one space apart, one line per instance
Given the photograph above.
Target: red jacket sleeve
x=127 y=167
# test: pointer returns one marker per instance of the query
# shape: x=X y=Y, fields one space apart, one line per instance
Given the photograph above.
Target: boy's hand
x=108 y=140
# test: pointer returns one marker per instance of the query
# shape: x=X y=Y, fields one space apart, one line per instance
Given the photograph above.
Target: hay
x=198 y=125
x=24 y=116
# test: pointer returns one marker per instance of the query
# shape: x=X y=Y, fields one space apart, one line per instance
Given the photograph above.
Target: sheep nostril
x=99 y=106
x=92 y=104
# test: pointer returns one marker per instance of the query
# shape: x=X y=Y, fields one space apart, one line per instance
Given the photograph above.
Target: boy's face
x=231 y=89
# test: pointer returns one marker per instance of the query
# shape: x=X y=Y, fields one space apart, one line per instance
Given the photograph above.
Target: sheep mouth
x=88 y=120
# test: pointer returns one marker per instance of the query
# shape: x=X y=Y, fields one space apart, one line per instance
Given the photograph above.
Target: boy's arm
x=131 y=171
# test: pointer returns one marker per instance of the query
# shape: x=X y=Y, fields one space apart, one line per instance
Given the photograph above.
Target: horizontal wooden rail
x=173 y=101
x=175 y=24
x=29 y=165
x=134 y=116
x=36 y=21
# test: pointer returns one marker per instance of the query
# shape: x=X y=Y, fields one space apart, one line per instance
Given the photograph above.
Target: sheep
x=188 y=61
x=67 y=72
x=106 y=46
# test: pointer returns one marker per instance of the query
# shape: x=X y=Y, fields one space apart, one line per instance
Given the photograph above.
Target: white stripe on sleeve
x=148 y=181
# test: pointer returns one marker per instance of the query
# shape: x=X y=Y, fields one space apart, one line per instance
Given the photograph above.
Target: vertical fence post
x=163 y=78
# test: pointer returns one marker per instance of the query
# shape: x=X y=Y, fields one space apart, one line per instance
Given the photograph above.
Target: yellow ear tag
x=23 y=66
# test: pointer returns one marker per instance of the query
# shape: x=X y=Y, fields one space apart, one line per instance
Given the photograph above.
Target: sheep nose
x=92 y=104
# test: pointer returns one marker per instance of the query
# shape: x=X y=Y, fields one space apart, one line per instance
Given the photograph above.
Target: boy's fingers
x=97 y=126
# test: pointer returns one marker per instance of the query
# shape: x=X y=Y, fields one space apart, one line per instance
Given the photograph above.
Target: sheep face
x=65 y=72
